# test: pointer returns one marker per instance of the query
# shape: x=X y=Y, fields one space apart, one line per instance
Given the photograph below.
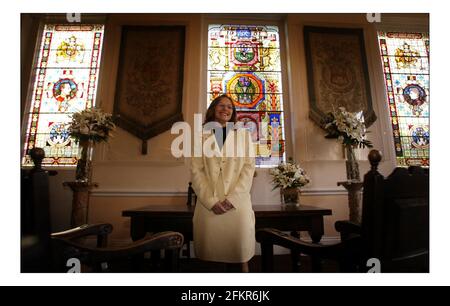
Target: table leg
x=316 y=232
x=295 y=257
x=137 y=228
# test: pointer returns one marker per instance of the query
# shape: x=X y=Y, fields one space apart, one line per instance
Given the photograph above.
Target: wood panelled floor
x=282 y=264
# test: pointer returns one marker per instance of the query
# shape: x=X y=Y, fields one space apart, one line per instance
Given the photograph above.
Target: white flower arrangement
x=288 y=175
x=91 y=124
x=347 y=127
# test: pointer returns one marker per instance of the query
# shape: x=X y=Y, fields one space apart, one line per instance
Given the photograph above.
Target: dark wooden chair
x=100 y=257
x=42 y=251
x=394 y=227
x=35 y=222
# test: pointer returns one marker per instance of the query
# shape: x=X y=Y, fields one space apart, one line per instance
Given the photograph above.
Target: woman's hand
x=218 y=208
x=227 y=204
x=222 y=207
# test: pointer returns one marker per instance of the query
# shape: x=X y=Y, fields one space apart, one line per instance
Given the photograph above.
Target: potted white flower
x=350 y=130
x=87 y=128
x=289 y=177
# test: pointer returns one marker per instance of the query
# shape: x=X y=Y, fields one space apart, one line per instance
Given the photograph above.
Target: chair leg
x=316 y=264
x=171 y=260
x=295 y=261
x=295 y=256
x=155 y=259
x=188 y=249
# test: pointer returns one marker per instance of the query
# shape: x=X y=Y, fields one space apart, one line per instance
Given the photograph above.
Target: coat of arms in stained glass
x=405 y=58
x=66 y=74
x=244 y=62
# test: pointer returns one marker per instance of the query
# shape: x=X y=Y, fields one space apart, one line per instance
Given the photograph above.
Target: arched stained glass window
x=66 y=82
x=244 y=62
x=405 y=58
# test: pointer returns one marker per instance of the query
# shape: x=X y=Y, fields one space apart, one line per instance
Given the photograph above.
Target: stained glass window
x=405 y=58
x=244 y=62
x=66 y=82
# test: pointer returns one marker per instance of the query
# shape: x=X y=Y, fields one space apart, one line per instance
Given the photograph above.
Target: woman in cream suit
x=224 y=221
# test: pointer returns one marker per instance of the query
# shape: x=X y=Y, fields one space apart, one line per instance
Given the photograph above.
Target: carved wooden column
x=354 y=199
x=80 y=202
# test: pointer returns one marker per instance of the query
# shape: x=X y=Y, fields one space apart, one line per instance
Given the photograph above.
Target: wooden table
x=157 y=218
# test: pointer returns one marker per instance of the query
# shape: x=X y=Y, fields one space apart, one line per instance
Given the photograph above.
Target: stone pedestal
x=354 y=189
x=80 y=202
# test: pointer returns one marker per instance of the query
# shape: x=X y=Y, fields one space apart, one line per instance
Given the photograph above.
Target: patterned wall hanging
x=337 y=72
x=150 y=80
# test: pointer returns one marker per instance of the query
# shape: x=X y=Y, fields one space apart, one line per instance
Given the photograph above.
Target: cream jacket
x=236 y=161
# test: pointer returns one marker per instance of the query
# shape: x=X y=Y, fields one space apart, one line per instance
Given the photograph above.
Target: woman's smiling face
x=224 y=111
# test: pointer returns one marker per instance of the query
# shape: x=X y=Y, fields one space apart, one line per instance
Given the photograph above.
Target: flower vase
x=289 y=196
x=84 y=164
x=351 y=164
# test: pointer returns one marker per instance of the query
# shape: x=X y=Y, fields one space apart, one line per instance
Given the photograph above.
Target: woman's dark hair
x=211 y=112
